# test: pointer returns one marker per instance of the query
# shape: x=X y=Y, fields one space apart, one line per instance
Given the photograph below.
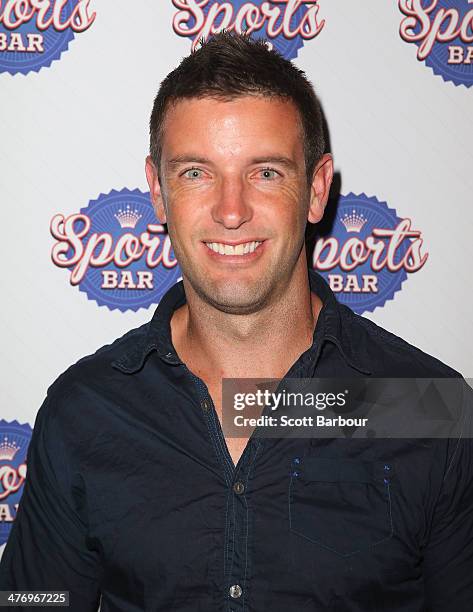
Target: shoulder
x=81 y=406
x=386 y=354
x=94 y=376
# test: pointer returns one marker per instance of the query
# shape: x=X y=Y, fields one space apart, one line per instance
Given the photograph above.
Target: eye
x=268 y=174
x=193 y=173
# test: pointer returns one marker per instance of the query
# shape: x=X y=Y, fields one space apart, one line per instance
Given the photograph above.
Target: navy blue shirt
x=132 y=496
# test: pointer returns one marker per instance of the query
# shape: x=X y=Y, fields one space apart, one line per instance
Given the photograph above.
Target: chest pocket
x=341 y=505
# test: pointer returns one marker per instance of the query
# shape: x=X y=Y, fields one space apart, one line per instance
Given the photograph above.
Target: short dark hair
x=231 y=65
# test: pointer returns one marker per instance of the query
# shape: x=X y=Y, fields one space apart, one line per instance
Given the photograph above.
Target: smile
x=230 y=249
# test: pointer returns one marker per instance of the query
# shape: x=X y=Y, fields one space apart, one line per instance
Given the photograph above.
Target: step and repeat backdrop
x=84 y=257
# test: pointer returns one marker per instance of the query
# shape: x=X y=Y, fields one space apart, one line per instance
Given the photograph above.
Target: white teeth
x=228 y=249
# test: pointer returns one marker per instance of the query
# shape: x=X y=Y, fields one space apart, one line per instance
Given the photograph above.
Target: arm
x=48 y=547
x=448 y=556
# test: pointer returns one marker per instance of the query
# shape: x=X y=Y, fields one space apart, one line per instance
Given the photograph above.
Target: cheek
x=287 y=196
x=185 y=209
x=185 y=222
x=286 y=207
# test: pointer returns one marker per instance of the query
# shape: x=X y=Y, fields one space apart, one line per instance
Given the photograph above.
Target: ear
x=155 y=189
x=320 y=188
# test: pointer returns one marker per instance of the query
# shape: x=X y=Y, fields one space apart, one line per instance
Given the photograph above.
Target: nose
x=232 y=207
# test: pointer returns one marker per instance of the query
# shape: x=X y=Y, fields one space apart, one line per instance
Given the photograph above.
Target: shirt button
x=205 y=404
x=238 y=487
x=235 y=591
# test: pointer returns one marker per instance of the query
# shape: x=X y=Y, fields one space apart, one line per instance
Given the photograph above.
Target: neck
x=264 y=344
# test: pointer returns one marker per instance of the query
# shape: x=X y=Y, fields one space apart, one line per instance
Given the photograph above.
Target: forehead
x=243 y=125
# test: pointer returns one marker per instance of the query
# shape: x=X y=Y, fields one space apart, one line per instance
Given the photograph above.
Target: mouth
x=242 y=249
x=242 y=253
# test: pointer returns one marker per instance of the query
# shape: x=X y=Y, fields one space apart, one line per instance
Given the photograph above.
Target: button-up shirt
x=132 y=497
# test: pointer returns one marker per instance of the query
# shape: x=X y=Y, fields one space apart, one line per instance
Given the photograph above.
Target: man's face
x=234 y=194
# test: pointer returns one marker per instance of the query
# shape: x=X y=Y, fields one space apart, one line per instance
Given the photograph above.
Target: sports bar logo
x=14 y=441
x=443 y=33
x=115 y=251
x=369 y=253
x=284 y=23
x=34 y=33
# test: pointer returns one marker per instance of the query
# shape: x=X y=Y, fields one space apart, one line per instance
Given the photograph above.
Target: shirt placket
x=239 y=532
x=238 y=503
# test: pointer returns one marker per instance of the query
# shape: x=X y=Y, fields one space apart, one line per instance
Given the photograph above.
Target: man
x=134 y=495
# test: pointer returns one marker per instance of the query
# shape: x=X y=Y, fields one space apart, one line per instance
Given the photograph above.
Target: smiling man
x=233 y=189
x=134 y=495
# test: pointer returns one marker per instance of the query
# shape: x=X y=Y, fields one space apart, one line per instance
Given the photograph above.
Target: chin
x=237 y=308
x=233 y=298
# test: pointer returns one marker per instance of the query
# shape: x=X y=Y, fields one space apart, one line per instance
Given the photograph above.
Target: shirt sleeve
x=48 y=547
x=448 y=556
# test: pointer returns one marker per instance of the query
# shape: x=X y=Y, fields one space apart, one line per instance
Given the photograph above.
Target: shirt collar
x=332 y=326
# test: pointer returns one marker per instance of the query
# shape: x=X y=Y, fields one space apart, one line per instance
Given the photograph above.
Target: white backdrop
x=78 y=128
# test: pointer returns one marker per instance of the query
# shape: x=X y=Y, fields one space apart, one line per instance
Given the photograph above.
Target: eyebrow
x=188 y=159
x=283 y=161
